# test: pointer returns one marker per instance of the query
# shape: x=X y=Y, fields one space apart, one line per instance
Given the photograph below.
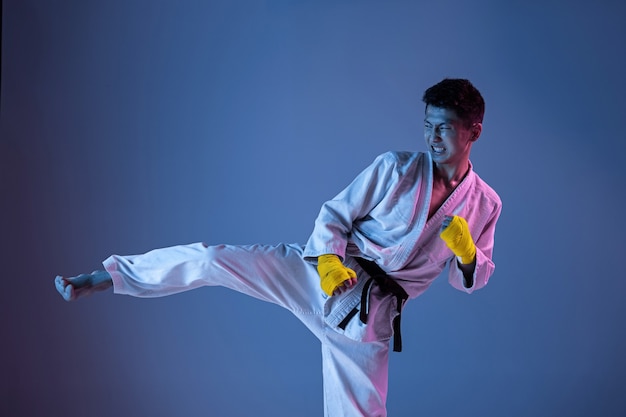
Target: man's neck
x=451 y=175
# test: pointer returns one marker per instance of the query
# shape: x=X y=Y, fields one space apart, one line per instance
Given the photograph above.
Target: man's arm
x=468 y=276
x=334 y=222
x=455 y=232
x=468 y=272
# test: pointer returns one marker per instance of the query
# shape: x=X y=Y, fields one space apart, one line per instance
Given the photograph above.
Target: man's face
x=448 y=140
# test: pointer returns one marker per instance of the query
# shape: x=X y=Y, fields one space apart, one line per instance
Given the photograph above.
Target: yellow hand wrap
x=458 y=238
x=332 y=273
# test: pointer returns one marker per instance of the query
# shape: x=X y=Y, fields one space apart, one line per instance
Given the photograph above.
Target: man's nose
x=433 y=134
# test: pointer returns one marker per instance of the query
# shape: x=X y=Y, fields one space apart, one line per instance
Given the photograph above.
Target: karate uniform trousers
x=355 y=373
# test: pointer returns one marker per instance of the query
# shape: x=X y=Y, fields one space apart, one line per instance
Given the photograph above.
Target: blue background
x=128 y=125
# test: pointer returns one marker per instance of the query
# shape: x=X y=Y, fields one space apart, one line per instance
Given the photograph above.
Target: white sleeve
x=334 y=222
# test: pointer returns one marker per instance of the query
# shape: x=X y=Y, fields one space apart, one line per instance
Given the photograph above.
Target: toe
x=59 y=283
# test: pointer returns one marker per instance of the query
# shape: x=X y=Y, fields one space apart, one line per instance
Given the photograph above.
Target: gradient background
x=129 y=125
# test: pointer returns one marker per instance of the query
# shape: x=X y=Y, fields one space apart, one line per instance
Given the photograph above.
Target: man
x=381 y=240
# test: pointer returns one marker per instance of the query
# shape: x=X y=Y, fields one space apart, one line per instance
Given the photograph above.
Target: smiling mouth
x=438 y=149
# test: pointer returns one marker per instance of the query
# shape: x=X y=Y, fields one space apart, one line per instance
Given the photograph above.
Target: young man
x=383 y=239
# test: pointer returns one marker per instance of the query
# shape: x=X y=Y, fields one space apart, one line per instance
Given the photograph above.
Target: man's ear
x=477 y=129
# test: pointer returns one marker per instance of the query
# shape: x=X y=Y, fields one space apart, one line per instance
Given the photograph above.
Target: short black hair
x=460 y=95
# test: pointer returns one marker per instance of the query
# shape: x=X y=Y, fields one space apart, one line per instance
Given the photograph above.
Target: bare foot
x=82 y=285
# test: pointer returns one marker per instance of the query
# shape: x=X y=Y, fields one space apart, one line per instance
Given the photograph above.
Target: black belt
x=387 y=285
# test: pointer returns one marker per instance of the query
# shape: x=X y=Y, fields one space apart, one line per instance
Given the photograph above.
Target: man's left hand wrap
x=458 y=238
x=332 y=273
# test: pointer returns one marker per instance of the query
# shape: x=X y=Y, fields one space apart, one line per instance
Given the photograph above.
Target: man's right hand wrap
x=332 y=273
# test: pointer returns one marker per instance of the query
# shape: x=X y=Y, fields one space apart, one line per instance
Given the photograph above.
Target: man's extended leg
x=273 y=273
x=277 y=274
x=355 y=373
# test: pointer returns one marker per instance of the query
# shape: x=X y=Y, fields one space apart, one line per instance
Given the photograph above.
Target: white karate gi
x=381 y=216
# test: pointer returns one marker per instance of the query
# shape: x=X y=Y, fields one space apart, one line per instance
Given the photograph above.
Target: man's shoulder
x=401 y=157
x=400 y=162
x=486 y=190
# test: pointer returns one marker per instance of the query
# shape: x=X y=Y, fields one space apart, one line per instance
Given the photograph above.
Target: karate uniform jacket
x=383 y=216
